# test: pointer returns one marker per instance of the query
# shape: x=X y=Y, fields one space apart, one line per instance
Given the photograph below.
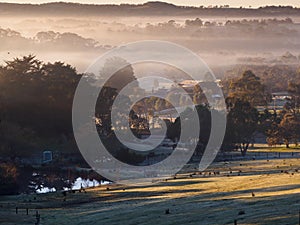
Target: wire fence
x=236 y=156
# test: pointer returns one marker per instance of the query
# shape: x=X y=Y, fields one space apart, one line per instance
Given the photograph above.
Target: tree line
x=148 y=8
x=36 y=108
x=245 y=95
x=36 y=112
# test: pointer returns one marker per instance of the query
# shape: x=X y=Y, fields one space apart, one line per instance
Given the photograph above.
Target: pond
x=78 y=184
x=51 y=179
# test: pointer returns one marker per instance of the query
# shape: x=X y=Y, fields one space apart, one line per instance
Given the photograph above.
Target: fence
x=26 y=212
x=236 y=156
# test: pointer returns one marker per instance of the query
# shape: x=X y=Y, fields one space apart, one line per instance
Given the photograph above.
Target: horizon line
x=216 y=6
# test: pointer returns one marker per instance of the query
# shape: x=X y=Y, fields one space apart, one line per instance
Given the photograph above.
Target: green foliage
x=119 y=72
x=38 y=95
x=16 y=141
x=290 y=128
x=242 y=121
x=204 y=115
x=269 y=126
x=294 y=90
x=36 y=104
x=249 y=88
x=275 y=77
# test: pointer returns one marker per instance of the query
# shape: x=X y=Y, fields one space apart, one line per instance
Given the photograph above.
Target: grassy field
x=251 y=192
x=279 y=148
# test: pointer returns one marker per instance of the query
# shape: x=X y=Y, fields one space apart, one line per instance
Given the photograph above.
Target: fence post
x=38 y=217
x=26 y=211
x=16 y=210
x=235 y=222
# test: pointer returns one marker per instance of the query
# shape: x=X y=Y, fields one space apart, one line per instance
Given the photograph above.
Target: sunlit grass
x=279 y=148
x=261 y=191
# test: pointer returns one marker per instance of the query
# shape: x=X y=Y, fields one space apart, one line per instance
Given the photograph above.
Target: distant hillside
x=146 y=9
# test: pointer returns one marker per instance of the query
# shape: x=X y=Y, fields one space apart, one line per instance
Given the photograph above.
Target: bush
x=8 y=179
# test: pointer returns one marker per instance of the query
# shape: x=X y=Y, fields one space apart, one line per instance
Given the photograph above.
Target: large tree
x=204 y=115
x=119 y=72
x=249 y=88
x=242 y=120
x=36 y=101
x=290 y=128
x=269 y=126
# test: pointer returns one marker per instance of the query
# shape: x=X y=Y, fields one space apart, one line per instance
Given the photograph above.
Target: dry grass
x=262 y=192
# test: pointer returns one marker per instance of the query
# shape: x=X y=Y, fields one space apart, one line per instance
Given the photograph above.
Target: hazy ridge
x=146 y=9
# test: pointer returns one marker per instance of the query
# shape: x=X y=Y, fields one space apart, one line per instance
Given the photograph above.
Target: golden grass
x=261 y=191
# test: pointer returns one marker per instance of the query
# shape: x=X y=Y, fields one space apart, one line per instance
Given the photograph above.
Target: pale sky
x=233 y=3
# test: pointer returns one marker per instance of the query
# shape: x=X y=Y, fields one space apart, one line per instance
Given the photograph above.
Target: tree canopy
x=249 y=88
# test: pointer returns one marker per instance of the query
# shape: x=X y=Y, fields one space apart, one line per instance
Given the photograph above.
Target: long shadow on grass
x=202 y=209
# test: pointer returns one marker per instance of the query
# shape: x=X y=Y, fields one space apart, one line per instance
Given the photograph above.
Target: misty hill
x=146 y=9
x=50 y=40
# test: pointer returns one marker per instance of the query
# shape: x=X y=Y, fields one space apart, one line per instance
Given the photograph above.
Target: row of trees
x=275 y=77
x=263 y=22
x=248 y=114
x=284 y=126
x=36 y=106
x=199 y=28
x=245 y=95
x=36 y=111
x=247 y=100
x=50 y=40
